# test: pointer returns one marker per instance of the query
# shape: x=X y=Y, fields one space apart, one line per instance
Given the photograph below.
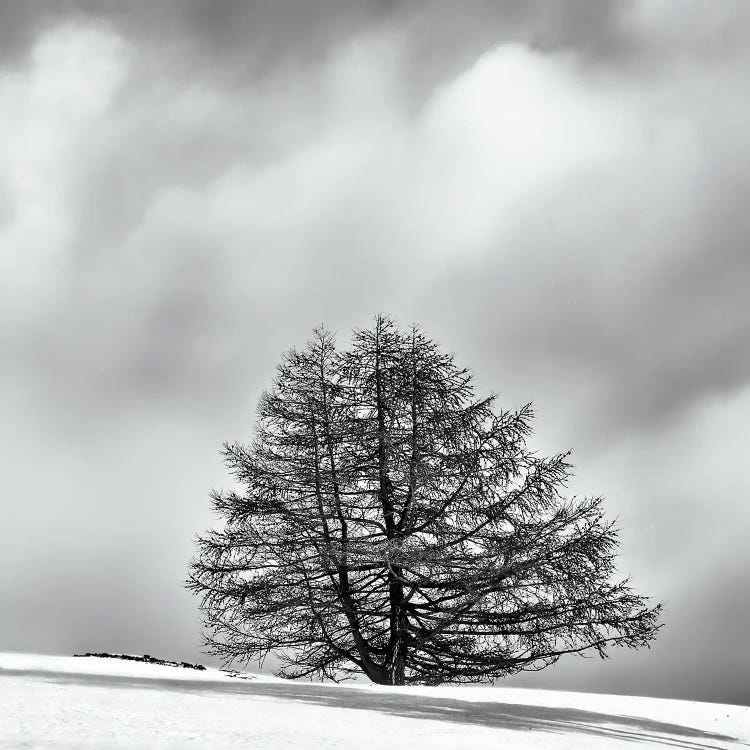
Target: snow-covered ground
x=66 y=702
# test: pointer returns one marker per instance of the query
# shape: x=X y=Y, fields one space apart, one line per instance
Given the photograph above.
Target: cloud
x=624 y=278
x=47 y=112
x=559 y=197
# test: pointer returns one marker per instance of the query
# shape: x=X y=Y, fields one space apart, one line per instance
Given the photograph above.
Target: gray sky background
x=557 y=191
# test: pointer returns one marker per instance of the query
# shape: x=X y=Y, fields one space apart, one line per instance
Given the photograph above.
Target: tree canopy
x=386 y=521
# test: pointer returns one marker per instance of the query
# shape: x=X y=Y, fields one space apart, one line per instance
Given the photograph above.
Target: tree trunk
x=397 y=645
x=398 y=668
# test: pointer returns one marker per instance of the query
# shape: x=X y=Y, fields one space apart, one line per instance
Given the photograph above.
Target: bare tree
x=388 y=522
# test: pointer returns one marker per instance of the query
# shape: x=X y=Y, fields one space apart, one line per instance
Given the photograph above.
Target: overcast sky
x=557 y=191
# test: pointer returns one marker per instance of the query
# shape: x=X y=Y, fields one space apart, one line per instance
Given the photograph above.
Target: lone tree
x=388 y=522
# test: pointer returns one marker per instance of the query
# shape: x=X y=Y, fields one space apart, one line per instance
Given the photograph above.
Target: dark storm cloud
x=19 y=22
x=556 y=191
x=246 y=39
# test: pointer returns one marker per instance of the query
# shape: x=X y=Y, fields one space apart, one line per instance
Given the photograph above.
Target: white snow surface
x=89 y=702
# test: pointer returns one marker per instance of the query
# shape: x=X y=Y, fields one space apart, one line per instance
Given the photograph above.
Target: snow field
x=65 y=702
